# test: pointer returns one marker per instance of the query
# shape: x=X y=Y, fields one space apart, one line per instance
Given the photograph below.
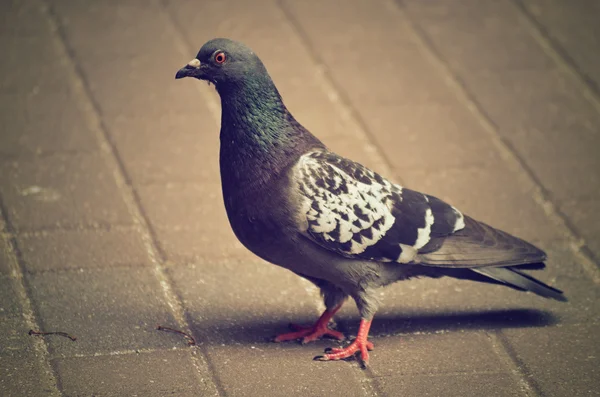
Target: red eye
x=220 y=57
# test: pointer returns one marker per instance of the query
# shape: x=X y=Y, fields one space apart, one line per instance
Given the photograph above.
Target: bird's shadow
x=391 y=323
x=264 y=329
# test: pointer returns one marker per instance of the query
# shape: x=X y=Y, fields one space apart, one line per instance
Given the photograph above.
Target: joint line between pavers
x=27 y=312
x=505 y=352
x=555 y=51
x=113 y=160
x=505 y=150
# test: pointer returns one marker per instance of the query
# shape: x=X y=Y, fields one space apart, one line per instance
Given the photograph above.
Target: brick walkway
x=112 y=221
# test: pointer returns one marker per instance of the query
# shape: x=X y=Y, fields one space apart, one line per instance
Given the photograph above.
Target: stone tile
x=78 y=249
x=532 y=99
x=169 y=149
x=23 y=18
x=573 y=27
x=23 y=373
x=139 y=87
x=61 y=190
x=467 y=385
x=5 y=257
x=44 y=119
x=560 y=361
x=25 y=54
x=106 y=309
x=266 y=30
x=368 y=72
x=122 y=50
x=256 y=300
x=443 y=353
x=566 y=162
x=25 y=376
x=432 y=135
x=442 y=305
x=491 y=193
x=10 y=305
x=147 y=374
x=477 y=35
x=197 y=220
x=272 y=369
x=16 y=342
x=108 y=25
x=583 y=215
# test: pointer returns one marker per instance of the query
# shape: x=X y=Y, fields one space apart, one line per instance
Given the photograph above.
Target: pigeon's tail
x=513 y=277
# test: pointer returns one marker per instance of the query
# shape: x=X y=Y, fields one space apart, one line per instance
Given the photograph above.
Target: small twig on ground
x=32 y=332
x=190 y=339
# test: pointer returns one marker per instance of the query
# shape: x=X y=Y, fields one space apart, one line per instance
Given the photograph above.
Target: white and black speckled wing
x=352 y=210
x=357 y=213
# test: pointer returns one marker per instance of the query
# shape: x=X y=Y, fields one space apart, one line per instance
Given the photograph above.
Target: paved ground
x=112 y=221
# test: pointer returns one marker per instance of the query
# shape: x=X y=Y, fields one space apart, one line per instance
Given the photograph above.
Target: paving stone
x=41 y=54
x=250 y=309
x=76 y=249
x=573 y=26
x=476 y=35
x=197 y=222
x=432 y=136
x=22 y=371
x=61 y=190
x=532 y=99
x=23 y=18
x=584 y=216
x=489 y=193
x=107 y=310
x=474 y=385
x=368 y=72
x=284 y=369
x=169 y=149
x=442 y=305
x=443 y=353
x=564 y=161
x=25 y=376
x=16 y=342
x=127 y=76
x=560 y=361
x=5 y=257
x=9 y=300
x=43 y=120
x=147 y=374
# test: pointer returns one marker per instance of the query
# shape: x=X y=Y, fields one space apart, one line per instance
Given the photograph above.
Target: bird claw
x=358 y=348
x=309 y=334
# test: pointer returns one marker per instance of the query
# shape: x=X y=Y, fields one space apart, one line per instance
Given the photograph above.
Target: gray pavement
x=112 y=221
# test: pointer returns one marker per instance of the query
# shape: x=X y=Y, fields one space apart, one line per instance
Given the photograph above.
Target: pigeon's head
x=223 y=62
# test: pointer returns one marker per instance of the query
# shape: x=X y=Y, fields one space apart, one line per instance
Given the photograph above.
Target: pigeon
x=296 y=204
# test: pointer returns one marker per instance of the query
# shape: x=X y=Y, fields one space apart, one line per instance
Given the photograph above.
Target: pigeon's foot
x=314 y=332
x=360 y=344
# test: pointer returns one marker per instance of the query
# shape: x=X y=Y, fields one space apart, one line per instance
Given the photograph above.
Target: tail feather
x=516 y=279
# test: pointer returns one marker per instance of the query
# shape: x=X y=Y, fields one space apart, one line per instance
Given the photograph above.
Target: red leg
x=360 y=344
x=314 y=332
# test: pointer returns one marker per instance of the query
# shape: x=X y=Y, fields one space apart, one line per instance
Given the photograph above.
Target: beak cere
x=189 y=70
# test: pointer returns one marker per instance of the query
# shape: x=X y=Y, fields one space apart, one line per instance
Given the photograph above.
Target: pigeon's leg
x=360 y=344
x=334 y=299
x=367 y=306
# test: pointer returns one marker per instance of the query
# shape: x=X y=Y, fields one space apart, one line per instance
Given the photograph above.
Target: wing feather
x=355 y=212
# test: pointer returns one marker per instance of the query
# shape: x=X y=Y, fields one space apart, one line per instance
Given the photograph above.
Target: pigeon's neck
x=259 y=136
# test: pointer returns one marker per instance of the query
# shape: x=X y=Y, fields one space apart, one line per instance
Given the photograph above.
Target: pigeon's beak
x=192 y=69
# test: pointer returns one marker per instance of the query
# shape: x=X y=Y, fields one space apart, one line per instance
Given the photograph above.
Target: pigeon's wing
x=355 y=212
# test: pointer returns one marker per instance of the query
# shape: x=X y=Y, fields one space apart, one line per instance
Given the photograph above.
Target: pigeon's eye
x=220 y=57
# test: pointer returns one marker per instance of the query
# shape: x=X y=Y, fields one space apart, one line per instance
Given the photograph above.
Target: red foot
x=360 y=344
x=312 y=333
